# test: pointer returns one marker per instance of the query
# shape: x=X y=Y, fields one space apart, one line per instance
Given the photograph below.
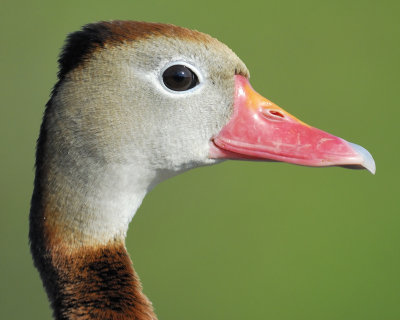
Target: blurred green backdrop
x=238 y=240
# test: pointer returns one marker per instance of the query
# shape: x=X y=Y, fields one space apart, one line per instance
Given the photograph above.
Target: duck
x=137 y=103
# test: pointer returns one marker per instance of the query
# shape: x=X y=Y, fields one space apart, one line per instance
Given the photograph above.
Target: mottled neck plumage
x=89 y=281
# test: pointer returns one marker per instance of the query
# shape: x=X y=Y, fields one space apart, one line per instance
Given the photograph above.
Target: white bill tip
x=367 y=160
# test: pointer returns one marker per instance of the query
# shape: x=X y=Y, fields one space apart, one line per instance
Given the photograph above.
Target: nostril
x=272 y=114
x=276 y=113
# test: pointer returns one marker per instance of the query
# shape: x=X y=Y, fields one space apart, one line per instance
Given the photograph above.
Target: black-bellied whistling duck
x=137 y=103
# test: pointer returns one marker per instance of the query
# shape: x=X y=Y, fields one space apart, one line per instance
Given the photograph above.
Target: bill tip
x=367 y=160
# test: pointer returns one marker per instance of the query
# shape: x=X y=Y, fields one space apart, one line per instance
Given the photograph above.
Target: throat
x=87 y=275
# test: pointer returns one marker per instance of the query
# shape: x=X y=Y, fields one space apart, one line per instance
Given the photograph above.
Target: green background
x=239 y=240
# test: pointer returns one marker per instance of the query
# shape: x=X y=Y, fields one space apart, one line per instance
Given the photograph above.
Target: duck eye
x=179 y=78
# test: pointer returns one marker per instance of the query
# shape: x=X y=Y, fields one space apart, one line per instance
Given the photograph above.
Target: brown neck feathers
x=97 y=283
x=89 y=282
x=100 y=283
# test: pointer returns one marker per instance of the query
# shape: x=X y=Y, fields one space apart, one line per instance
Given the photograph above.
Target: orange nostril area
x=272 y=114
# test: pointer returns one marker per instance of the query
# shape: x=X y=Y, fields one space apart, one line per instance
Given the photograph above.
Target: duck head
x=139 y=102
x=170 y=99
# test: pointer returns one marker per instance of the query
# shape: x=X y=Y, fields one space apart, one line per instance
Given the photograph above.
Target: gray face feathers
x=112 y=102
x=114 y=126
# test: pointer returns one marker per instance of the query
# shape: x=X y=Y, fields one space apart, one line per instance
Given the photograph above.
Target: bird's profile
x=135 y=104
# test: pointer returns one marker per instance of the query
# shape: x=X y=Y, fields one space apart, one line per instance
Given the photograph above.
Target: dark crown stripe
x=80 y=44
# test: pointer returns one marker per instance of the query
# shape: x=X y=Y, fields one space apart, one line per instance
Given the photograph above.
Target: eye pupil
x=179 y=78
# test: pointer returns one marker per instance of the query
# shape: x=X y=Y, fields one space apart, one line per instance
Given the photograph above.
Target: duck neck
x=77 y=236
x=94 y=283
